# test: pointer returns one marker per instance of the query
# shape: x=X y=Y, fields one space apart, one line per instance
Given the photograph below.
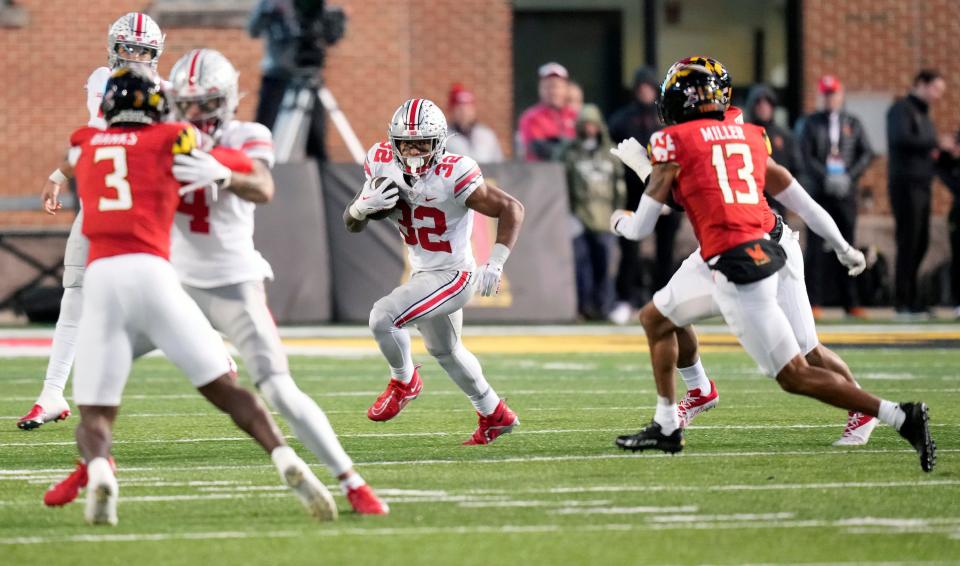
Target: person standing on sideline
x=913 y=151
x=834 y=153
x=543 y=127
x=469 y=137
x=596 y=189
x=639 y=119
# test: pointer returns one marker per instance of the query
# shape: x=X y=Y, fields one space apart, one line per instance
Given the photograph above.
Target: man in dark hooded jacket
x=640 y=119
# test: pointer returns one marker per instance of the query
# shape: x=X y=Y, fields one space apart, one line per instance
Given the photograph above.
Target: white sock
x=283 y=457
x=64 y=346
x=353 y=481
x=666 y=415
x=890 y=413
x=99 y=470
x=465 y=370
x=308 y=421
x=696 y=378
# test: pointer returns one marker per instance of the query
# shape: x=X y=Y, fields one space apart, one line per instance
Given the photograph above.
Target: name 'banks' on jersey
x=723 y=166
x=432 y=216
x=126 y=186
x=213 y=240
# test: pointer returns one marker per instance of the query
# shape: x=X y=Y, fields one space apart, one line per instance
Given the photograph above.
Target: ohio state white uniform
x=432 y=216
x=212 y=245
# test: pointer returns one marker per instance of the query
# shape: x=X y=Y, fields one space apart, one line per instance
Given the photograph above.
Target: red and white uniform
x=125 y=182
x=96 y=85
x=213 y=239
x=432 y=216
x=720 y=184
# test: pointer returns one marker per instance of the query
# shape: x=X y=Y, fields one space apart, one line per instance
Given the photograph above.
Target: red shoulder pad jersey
x=126 y=185
x=723 y=166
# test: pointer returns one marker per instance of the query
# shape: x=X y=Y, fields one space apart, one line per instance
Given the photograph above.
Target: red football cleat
x=366 y=502
x=500 y=421
x=67 y=490
x=693 y=404
x=858 y=430
x=395 y=398
x=39 y=416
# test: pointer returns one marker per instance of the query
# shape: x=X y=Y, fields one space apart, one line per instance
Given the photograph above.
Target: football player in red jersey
x=717 y=171
x=129 y=193
x=688 y=298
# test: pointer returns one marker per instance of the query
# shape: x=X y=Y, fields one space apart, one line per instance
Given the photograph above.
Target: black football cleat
x=916 y=429
x=651 y=437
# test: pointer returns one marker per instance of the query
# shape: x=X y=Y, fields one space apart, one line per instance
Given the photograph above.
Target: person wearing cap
x=640 y=119
x=467 y=136
x=913 y=151
x=545 y=125
x=834 y=153
x=595 y=188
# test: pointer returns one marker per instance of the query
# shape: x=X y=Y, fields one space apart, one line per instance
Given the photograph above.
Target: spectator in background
x=760 y=109
x=913 y=151
x=574 y=97
x=834 y=151
x=277 y=21
x=546 y=125
x=595 y=185
x=640 y=119
x=948 y=167
x=468 y=137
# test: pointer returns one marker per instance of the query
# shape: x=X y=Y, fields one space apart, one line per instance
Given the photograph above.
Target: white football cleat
x=314 y=496
x=102 y=493
x=44 y=411
x=858 y=430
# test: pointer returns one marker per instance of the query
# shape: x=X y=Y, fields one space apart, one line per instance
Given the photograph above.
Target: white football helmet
x=206 y=78
x=418 y=119
x=134 y=31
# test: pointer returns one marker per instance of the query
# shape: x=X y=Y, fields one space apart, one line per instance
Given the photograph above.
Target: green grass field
x=758 y=481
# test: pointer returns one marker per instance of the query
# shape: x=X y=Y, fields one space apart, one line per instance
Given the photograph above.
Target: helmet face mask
x=131 y=36
x=418 y=120
x=205 y=91
x=695 y=87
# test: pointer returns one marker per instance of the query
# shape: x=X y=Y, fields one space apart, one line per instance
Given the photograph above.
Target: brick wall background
x=878 y=46
x=393 y=50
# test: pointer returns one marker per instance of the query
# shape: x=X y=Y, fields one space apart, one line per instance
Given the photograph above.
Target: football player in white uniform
x=133 y=38
x=213 y=253
x=433 y=195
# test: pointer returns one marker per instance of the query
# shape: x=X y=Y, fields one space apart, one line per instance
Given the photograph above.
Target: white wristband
x=355 y=213
x=499 y=255
x=58 y=177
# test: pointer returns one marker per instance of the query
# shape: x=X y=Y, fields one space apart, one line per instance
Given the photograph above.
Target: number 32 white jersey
x=432 y=216
x=212 y=244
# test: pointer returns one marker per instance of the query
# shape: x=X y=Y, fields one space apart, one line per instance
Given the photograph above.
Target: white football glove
x=634 y=156
x=198 y=169
x=489 y=275
x=620 y=220
x=853 y=260
x=373 y=198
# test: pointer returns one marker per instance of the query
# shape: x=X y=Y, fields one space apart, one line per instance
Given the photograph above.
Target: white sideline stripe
x=444 y=433
x=413 y=531
x=732 y=517
x=532 y=503
x=643 y=510
x=534 y=459
x=744 y=487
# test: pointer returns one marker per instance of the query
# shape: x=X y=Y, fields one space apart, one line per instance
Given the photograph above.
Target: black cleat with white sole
x=651 y=438
x=916 y=429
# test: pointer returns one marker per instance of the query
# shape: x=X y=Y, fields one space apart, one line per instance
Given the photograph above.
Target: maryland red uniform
x=723 y=166
x=126 y=184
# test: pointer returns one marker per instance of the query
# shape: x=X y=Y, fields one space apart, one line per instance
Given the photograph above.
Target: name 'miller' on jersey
x=720 y=183
x=126 y=185
x=432 y=216
x=213 y=239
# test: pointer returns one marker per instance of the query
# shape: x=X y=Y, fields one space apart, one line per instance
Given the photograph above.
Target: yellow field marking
x=613 y=343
